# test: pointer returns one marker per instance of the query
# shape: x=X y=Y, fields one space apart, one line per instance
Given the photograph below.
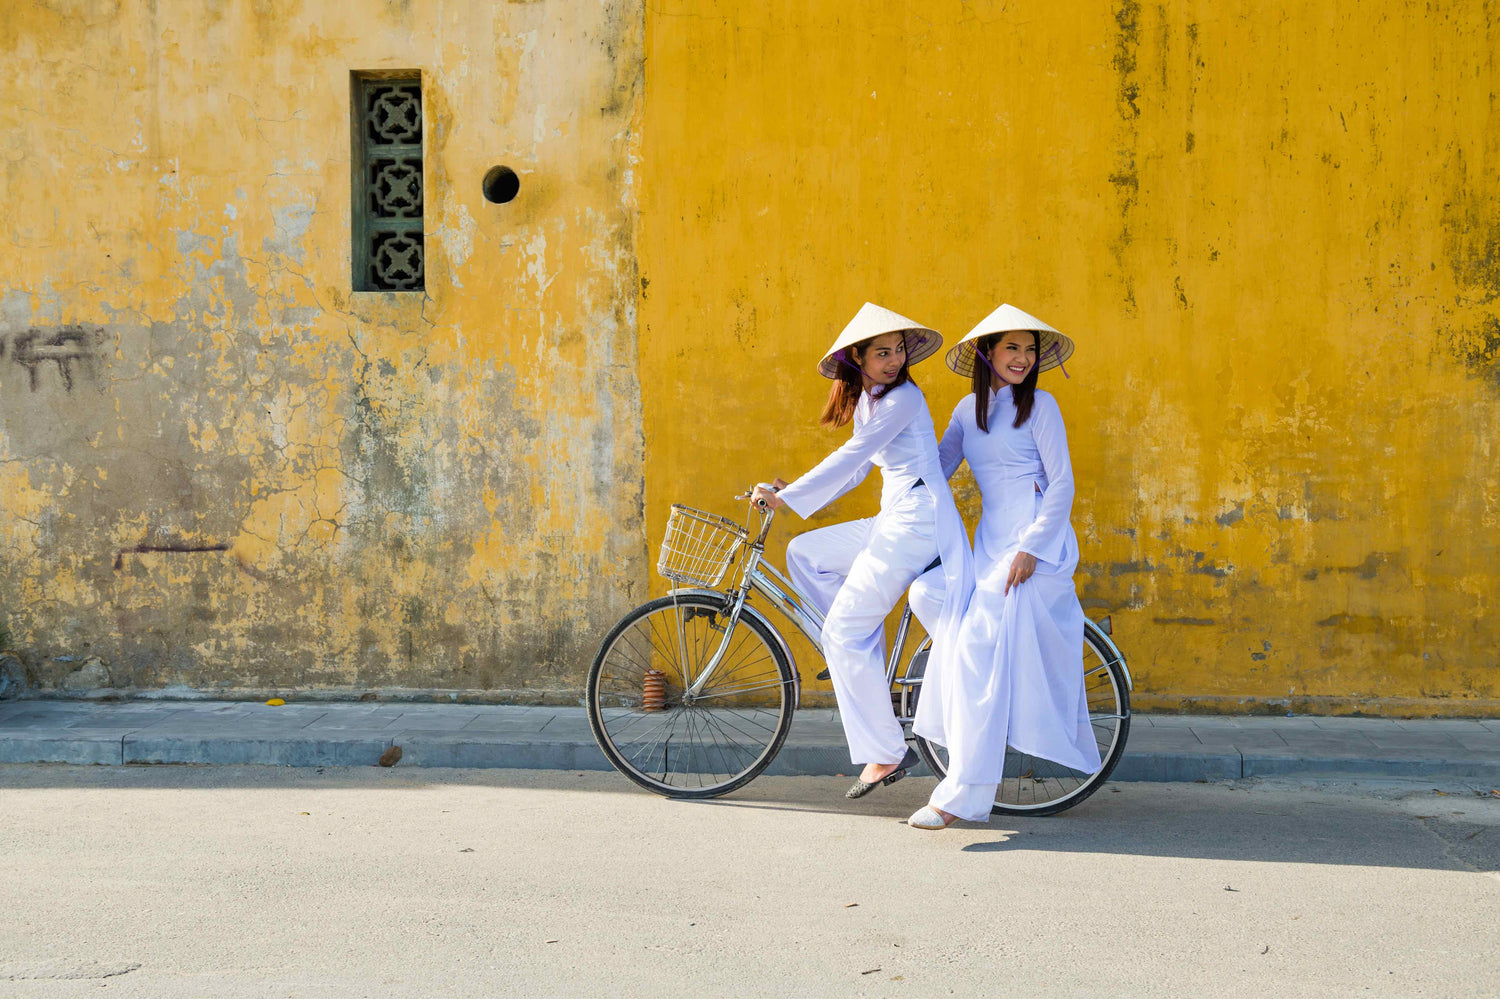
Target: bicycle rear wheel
x=681 y=745
x=1032 y=785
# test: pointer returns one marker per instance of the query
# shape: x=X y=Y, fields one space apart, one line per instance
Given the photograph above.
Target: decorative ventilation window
x=388 y=251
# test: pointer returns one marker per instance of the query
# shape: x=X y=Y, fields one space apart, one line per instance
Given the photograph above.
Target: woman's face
x=1013 y=356
x=883 y=359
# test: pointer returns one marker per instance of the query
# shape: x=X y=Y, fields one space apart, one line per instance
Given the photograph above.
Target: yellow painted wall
x=1272 y=232
x=439 y=490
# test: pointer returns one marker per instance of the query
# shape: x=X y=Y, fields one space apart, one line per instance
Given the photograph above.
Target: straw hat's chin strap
x=980 y=354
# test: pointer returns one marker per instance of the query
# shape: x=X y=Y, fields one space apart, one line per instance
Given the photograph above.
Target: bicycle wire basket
x=699 y=547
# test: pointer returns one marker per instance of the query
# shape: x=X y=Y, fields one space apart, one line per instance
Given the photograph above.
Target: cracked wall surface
x=1273 y=234
x=220 y=468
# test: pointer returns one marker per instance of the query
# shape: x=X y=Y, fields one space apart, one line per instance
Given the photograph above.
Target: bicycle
x=692 y=694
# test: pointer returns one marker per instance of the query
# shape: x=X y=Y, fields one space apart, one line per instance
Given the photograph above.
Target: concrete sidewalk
x=1160 y=748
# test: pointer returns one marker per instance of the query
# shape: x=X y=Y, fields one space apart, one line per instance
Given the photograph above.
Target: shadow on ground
x=1450 y=826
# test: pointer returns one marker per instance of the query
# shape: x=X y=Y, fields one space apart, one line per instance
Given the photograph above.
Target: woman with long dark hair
x=1015 y=673
x=856 y=571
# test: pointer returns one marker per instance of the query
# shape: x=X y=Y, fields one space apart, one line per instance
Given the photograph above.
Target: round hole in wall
x=501 y=185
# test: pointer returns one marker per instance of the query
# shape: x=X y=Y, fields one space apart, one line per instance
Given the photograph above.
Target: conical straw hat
x=872 y=321
x=1053 y=348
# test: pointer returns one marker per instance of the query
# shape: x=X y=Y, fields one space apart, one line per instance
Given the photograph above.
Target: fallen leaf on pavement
x=390 y=757
x=275 y=702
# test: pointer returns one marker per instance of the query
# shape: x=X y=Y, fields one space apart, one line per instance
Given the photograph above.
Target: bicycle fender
x=761 y=618
x=1114 y=651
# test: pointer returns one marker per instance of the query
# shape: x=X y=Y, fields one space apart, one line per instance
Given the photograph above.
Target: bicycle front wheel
x=668 y=740
x=1032 y=785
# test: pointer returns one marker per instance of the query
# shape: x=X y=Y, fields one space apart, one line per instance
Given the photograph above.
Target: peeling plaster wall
x=221 y=469
x=1273 y=234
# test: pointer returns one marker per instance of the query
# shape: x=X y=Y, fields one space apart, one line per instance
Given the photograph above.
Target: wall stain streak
x=1126 y=180
x=69 y=350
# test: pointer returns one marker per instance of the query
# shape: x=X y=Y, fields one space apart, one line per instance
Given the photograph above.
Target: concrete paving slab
x=1165 y=721
x=568 y=724
x=494 y=724
x=1400 y=742
x=370 y=724
x=1339 y=723
x=1165 y=740
x=1220 y=740
x=1176 y=766
x=1451 y=725
x=1240 y=723
x=1322 y=737
x=14 y=713
x=122 y=719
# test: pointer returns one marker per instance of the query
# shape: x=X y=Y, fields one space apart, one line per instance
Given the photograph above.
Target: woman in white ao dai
x=1015 y=676
x=855 y=572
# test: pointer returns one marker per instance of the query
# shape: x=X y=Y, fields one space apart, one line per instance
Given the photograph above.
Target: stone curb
x=231 y=733
x=793 y=760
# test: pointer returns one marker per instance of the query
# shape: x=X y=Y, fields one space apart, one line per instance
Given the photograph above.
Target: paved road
x=262 y=881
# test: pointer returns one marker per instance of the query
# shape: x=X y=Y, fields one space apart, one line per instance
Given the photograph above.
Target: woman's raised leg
x=900 y=546
x=819 y=561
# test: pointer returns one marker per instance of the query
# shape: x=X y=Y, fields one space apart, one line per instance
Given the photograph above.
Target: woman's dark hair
x=847 y=384
x=1024 y=394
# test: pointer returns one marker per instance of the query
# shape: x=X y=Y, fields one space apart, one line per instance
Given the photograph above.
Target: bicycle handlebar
x=767 y=514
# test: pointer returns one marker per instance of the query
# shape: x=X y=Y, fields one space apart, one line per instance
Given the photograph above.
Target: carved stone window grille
x=389 y=254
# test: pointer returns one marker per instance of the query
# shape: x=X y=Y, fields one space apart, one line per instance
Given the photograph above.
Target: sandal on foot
x=928 y=817
x=860 y=788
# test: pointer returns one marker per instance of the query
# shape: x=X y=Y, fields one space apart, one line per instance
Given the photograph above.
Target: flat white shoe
x=928 y=817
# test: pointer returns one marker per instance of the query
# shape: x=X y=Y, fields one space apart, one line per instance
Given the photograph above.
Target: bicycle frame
x=764 y=578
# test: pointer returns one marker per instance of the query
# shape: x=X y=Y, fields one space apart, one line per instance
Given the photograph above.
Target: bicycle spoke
x=768 y=685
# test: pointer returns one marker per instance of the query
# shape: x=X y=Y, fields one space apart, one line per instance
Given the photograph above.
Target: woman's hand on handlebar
x=763 y=498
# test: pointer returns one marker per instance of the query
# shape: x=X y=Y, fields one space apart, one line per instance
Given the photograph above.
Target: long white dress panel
x=895 y=433
x=1016 y=675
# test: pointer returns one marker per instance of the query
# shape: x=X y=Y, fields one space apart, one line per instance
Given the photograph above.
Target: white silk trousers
x=969 y=801
x=854 y=573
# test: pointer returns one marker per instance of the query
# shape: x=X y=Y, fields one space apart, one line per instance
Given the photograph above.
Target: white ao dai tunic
x=1016 y=675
